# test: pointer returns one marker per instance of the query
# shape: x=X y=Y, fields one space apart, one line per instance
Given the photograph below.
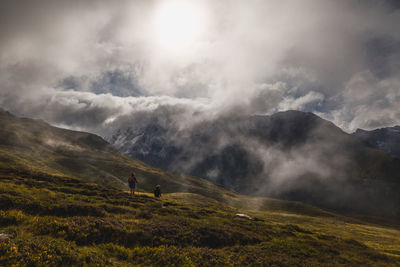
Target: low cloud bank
x=91 y=65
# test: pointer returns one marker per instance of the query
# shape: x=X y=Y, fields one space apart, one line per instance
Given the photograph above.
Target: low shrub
x=11 y=217
x=42 y=251
x=34 y=207
x=82 y=230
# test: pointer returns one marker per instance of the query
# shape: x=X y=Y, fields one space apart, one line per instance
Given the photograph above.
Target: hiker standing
x=132 y=181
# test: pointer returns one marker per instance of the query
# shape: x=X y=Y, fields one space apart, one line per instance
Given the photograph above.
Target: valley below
x=66 y=202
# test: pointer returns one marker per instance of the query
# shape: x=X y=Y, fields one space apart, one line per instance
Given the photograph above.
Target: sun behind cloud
x=178 y=24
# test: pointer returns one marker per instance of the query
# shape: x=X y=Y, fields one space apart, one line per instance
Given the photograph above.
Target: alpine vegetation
x=199 y=133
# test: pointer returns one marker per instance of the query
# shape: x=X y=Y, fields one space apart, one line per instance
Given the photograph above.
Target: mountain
x=290 y=155
x=385 y=139
x=32 y=147
x=63 y=203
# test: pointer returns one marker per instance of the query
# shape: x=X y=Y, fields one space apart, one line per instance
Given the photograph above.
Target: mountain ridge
x=291 y=155
x=54 y=215
x=386 y=139
x=35 y=146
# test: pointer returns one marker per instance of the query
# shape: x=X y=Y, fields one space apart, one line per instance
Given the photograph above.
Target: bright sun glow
x=178 y=23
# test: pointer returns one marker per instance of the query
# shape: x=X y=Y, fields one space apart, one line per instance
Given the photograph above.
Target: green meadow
x=61 y=221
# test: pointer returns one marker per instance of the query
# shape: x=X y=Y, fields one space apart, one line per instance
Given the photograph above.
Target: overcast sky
x=90 y=65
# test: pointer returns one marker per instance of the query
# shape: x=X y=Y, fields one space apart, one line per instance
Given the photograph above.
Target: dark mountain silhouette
x=291 y=155
x=385 y=139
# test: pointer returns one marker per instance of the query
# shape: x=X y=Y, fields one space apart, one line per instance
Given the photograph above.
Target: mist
x=112 y=67
x=86 y=64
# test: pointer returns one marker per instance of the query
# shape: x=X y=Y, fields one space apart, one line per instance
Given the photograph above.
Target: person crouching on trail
x=132 y=181
x=157 y=191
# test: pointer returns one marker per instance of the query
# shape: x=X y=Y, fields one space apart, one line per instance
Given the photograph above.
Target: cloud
x=301 y=103
x=83 y=64
x=99 y=66
x=118 y=82
x=369 y=103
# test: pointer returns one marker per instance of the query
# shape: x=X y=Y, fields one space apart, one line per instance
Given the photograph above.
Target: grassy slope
x=56 y=220
x=55 y=217
x=33 y=146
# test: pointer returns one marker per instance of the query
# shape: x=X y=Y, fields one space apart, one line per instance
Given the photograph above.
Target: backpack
x=131 y=179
